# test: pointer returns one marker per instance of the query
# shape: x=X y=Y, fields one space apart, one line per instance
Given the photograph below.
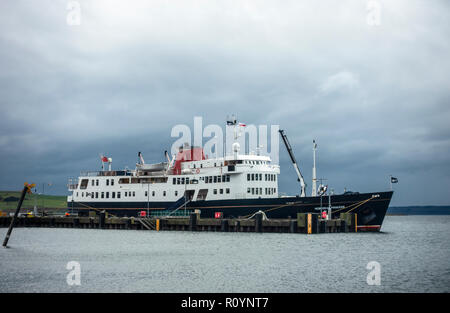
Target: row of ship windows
x=206 y=179
x=95 y=195
x=103 y=195
x=267 y=177
x=95 y=182
x=259 y=191
x=237 y=162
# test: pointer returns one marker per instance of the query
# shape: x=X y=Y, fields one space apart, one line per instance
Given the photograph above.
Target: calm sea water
x=413 y=251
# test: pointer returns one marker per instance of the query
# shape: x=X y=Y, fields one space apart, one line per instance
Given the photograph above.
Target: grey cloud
x=375 y=98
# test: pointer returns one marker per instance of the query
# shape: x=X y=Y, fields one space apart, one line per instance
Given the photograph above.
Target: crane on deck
x=294 y=163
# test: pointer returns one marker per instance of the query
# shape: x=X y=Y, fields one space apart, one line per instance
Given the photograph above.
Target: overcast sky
x=375 y=97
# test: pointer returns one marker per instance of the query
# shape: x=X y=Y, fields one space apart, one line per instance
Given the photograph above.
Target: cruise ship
x=235 y=185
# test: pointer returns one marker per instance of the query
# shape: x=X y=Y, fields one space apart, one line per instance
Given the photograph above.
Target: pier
x=304 y=223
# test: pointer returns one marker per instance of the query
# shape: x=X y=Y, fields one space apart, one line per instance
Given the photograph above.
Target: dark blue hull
x=370 y=207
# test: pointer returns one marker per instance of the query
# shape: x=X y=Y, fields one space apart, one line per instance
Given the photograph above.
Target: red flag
x=104 y=159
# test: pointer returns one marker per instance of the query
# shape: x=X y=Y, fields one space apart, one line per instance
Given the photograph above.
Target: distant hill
x=9 y=200
x=420 y=210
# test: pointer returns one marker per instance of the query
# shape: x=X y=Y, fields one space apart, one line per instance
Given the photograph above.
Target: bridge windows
x=84 y=183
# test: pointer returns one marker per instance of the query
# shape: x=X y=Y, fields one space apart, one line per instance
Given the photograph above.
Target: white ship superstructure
x=232 y=177
x=246 y=177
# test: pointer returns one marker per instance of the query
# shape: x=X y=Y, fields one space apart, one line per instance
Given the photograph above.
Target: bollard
x=258 y=223
x=102 y=220
x=224 y=225
x=193 y=222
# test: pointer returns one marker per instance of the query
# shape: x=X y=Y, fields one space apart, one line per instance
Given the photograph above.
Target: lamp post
x=329 y=203
x=185 y=196
x=148 y=198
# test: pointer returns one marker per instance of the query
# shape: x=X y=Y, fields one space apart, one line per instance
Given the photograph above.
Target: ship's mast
x=235 y=147
x=314 y=178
